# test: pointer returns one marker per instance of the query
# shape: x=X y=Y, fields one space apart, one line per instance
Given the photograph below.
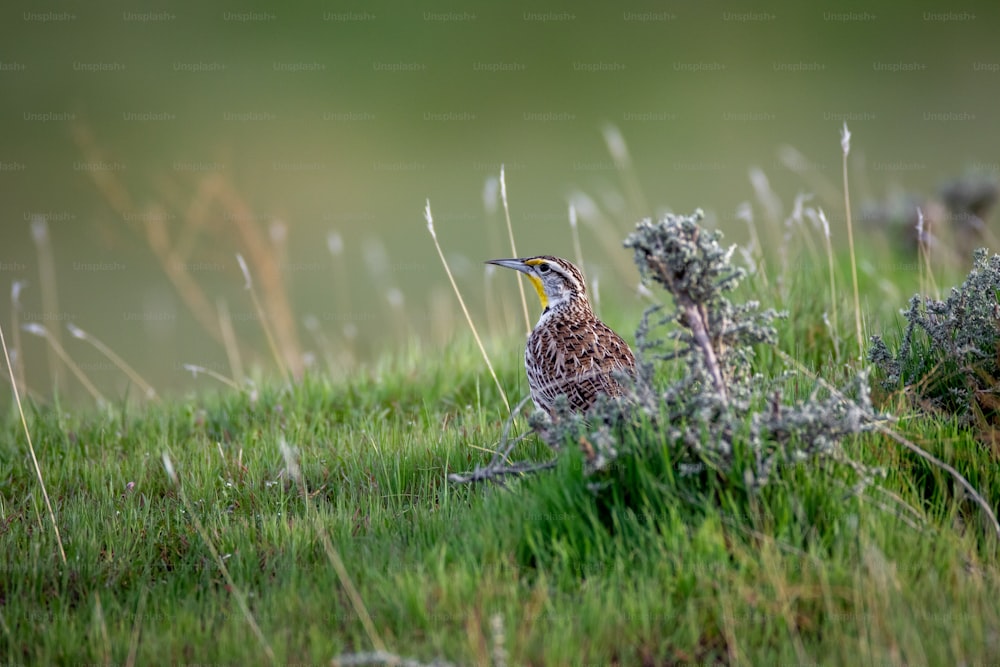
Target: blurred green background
x=312 y=134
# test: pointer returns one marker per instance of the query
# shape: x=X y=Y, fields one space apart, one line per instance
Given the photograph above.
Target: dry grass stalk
x=835 y=326
x=928 y=285
x=31 y=448
x=50 y=295
x=44 y=332
x=147 y=389
x=214 y=194
x=468 y=318
x=262 y=316
x=574 y=232
x=266 y=269
x=513 y=247
x=845 y=144
x=18 y=378
x=618 y=149
x=230 y=343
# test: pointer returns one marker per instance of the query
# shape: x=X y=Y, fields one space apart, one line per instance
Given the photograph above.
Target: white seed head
x=491 y=189
x=585 y=206
x=376 y=258
x=15 y=292
x=168 y=465
x=278 y=230
x=744 y=212
x=615 y=143
x=291 y=460
x=39 y=228
x=246 y=271
x=334 y=243
x=429 y=218
x=36 y=329
x=826 y=224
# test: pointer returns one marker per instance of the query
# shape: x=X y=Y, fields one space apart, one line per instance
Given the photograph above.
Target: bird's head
x=556 y=280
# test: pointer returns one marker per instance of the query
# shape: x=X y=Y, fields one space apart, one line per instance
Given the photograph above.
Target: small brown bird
x=570 y=352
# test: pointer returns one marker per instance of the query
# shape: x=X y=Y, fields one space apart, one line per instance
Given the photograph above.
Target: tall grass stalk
x=574 y=233
x=491 y=197
x=195 y=369
x=813 y=175
x=833 y=283
x=262 y=316
x=15 y=334
x=80 y=334
x=342 y=283
x=44 y=332
x=31 y=448
x=618 y=149
x=151 y=225
x=323 y=344
x=928 y=285
x=429 y=217
x=605 y=231
x=513 y=248
x=50 y=294
x=494 y=307
x=230 y=344
x=335 y=245
x=200 y=216
x=284 y=335
x=797 y=220
x=845 y=145
x=744 y=212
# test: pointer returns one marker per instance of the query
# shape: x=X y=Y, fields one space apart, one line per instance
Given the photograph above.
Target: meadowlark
x=570 y=352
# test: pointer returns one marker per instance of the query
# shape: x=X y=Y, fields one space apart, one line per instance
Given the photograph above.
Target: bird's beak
x=520 y=265
x=516 y=264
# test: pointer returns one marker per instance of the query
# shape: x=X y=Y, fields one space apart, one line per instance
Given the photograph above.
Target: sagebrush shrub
x=948 y=355
x=719 y=412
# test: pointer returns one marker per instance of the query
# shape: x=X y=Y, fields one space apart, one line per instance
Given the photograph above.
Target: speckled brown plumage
x=570 y=351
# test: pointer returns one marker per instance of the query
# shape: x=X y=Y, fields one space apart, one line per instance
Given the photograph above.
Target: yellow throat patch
x=540 y=289
x=538 y=283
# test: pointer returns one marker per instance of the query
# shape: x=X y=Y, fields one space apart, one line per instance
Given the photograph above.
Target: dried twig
x=500 y=466
x=384 y=658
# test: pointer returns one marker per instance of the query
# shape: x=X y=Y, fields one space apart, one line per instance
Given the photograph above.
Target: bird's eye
x=544 y=268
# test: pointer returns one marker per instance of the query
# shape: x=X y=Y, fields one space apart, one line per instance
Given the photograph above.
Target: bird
x=570 y=352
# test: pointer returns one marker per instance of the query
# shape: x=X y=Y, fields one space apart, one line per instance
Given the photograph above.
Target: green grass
x=676 y=571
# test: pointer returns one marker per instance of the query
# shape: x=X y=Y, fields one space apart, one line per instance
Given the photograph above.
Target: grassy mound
x=683 y=570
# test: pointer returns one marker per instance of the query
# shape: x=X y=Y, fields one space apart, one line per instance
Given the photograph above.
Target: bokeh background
x=142 y=148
